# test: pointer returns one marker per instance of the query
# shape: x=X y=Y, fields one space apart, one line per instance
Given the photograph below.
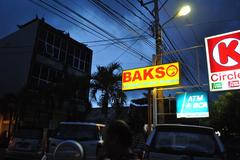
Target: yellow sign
x=149 y=77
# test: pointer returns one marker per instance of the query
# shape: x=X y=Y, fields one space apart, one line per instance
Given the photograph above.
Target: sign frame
x=151 y=77
x=224 y=79
x=192 y=105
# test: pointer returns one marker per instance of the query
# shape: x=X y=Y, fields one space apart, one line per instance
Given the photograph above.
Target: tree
x=225 y=113
x=106 y=82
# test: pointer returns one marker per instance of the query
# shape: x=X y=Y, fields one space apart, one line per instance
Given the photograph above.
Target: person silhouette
x=118 y=141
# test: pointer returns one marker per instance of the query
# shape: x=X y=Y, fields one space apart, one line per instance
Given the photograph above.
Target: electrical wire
x=121 y=19
x=122 y=45
x=128 y=9
x=101 y=29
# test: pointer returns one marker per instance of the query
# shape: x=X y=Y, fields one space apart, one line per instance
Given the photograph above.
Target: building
x=38 y=54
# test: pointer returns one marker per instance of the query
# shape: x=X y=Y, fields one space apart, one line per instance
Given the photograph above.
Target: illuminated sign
x=192 y=105
x=223 y=58
x=149 y=77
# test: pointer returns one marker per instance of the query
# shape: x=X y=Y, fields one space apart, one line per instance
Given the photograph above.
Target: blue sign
x=192 y=105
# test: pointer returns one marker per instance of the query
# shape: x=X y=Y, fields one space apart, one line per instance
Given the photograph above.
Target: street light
x=183 y=11
x=158 y=107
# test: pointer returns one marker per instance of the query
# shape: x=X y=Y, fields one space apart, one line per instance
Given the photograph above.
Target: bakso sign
x=192 y=105
x=149 y=77
x=223 y=58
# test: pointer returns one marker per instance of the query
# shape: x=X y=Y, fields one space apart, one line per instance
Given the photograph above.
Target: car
x=183 y=142
x=89 y=135
x=25 y=144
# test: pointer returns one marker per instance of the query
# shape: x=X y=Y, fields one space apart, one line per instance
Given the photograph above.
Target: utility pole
x=156 y=110
x=158 y=105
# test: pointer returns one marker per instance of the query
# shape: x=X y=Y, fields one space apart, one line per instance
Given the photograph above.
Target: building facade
x=37 y=55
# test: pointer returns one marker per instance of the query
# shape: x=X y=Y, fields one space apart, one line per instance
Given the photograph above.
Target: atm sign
x=149 y=77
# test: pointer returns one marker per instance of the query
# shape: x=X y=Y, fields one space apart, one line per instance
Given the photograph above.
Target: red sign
x=223 y=55
x=224 y=51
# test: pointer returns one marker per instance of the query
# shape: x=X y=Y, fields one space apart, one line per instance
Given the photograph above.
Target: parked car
x=183 y=142
x=25 y=144
x=89 y=135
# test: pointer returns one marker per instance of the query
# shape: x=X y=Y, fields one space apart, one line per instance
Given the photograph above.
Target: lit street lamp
x=183 y=11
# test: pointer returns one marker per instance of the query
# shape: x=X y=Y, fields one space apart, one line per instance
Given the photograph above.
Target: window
x=64 y=44
x=62 y=55
x=87 y=67
x=81 y=65
x=183 y=142
x=77 y=132
x=49 y=49
x=56 y=53
x=41 y=47
x=83 y=56
x=44 y=73
x=79 y=59
x=88 y=58
x=42 y=34
x=50 y=37
x=76 y=62
x=52 y=46
x=57 y=41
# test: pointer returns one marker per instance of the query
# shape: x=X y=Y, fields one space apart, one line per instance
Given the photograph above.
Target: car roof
x=184 y=127
x=83 y=123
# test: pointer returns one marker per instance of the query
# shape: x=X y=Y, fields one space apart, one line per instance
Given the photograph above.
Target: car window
x=184 y=142
x=28 y=134
x=77 y=132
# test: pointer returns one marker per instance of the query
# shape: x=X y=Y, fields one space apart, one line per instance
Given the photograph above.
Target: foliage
x=106 y=82
x=225 y=113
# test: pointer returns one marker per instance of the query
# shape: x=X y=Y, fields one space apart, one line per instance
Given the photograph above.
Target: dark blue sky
x=208 y=17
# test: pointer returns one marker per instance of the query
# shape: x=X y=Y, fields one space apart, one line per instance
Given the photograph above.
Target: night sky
x=208 y=17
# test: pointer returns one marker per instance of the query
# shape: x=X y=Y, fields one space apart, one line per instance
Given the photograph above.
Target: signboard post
x=223 y=59
x=192 y=105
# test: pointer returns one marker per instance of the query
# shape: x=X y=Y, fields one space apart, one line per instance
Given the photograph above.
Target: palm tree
x=106 y=82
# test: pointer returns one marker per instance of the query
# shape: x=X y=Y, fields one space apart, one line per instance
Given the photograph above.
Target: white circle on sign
x=230 y=61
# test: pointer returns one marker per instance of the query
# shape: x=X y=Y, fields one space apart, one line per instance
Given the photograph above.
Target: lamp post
x=158 y=102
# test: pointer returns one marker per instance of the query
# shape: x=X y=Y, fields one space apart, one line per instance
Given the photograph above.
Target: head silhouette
x=118 y=138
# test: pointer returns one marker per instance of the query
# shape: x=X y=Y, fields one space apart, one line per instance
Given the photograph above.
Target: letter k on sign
x=223 y=52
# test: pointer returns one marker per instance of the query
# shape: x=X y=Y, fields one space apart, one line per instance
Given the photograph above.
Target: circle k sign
x=223 y=58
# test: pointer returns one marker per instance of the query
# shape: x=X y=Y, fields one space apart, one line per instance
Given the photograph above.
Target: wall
x=15 y=58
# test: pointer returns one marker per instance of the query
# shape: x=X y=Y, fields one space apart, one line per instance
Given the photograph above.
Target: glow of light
x=184 y=10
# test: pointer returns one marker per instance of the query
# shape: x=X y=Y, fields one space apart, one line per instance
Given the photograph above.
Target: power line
x=125 y=51
x=125 y=38
x=139 y=11
x=112 y=43
x=180 y=58
x=175 y=48
x=121 y=3
x=99 y=28
x=122 y=44
x=118 y=18
x=54 y=8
